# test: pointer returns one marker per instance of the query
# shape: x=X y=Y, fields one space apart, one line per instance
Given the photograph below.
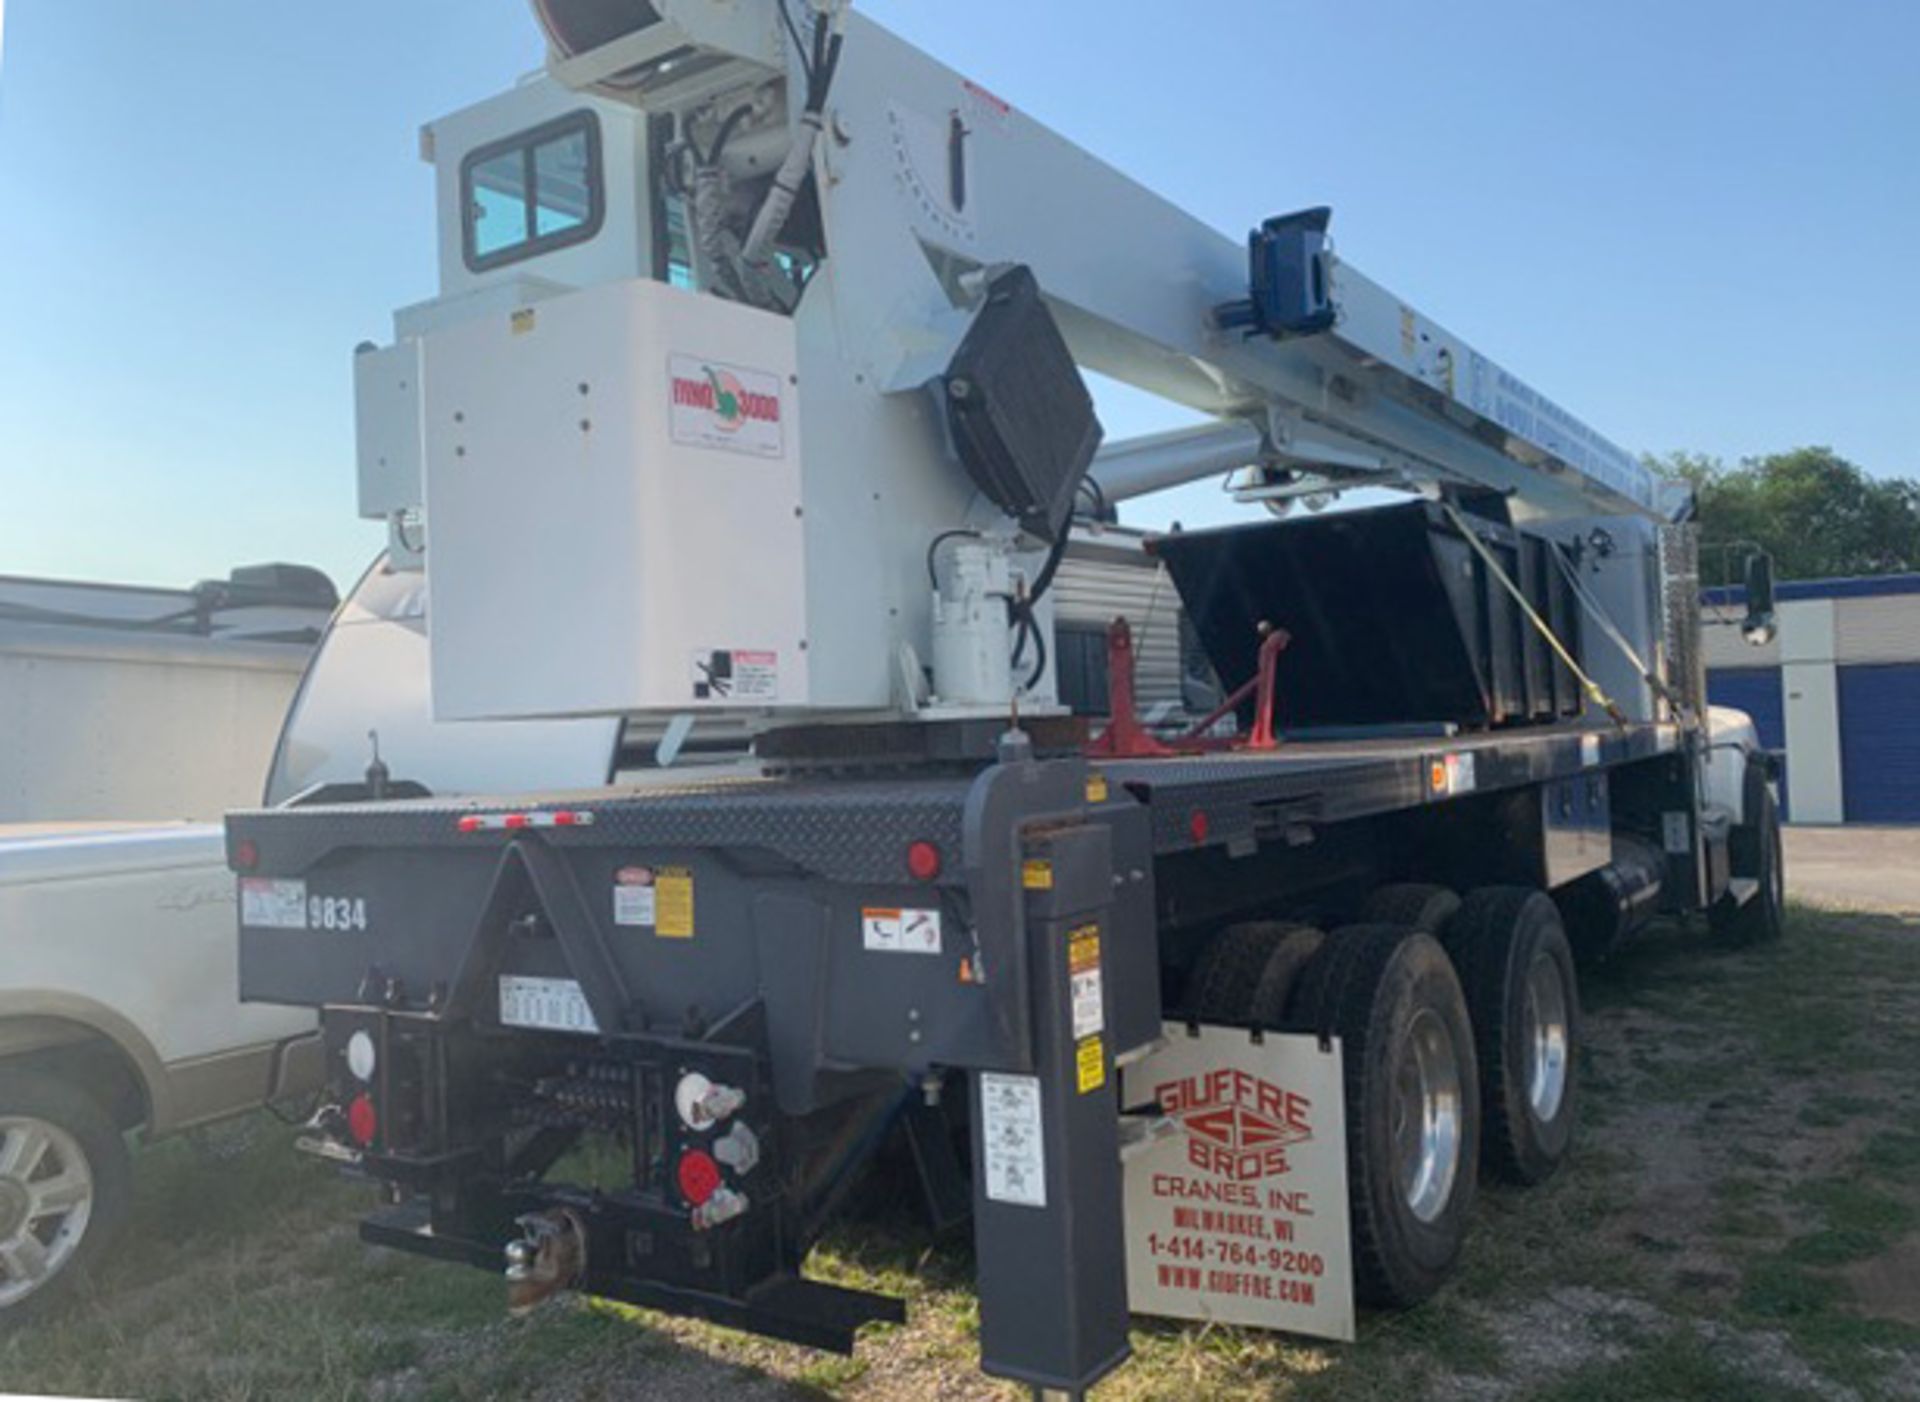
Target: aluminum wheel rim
x=1547 y=1037
x=46 y=1200
x=1426 y=1116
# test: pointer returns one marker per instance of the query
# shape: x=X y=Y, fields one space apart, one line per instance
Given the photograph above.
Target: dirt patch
x=1887 y=1286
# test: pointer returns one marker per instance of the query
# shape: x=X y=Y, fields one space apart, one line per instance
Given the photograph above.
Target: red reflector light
x=564 y=819
x=362 y=1123
x=1198 y=825
x=471 y=823
x=246 y=855
x=514 y=820
x=699 y=1176
x=923 y=860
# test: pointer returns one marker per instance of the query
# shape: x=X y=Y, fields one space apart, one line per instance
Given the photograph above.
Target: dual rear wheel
x=1458 y=1021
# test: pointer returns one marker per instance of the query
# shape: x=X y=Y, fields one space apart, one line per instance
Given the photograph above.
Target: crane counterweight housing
x=615 y=481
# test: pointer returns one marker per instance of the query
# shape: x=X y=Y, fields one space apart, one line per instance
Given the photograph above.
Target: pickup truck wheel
x=1412 y=1101
x=1755 y=853
x=65 y=1180
x=1517 y=968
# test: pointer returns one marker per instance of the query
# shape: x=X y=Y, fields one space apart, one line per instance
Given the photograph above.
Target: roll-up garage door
x=1880 y=742
x=1757 y=691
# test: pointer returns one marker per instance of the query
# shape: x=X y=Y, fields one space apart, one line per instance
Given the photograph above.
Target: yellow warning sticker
x=1096 y=788
x=1083 y=949
x=673 y=903
x=522 y=321
x=1090 y=1062
x=1037 y=875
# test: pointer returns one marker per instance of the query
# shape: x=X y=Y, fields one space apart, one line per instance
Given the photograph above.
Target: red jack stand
x=1268 y=692
x=1127 y=738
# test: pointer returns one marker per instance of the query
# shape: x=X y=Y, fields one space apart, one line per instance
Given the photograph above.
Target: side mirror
x=1760 y=624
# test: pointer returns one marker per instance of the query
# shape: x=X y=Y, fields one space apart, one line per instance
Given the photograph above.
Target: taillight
x=699 y=1176
x=923 y=861
x=362 y=1122
x=516 y=822
x=246 y=854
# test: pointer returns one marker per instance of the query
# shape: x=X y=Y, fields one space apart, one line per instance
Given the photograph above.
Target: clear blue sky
x=1696 y=224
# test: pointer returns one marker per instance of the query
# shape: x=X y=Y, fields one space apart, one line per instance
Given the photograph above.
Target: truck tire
x=1517 y=967
x=1412 y=1102
x=1754 y=851
x=65 y=1187
x=1416 y=903
x=1227 y=974
x=1286 y=964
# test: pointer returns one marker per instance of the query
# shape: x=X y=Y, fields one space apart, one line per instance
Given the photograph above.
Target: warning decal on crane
x=736 y=674
x=1240 y=1214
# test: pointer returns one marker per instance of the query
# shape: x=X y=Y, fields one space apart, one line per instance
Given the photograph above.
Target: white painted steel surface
x=614 y=491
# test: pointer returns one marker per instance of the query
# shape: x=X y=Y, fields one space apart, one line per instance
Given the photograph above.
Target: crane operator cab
x=677 y=442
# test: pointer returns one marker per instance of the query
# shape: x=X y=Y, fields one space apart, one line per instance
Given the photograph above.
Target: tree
x=1817 y=514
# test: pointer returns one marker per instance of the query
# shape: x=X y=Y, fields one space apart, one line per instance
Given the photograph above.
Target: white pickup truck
x=118 y=1010
x=119 y=1006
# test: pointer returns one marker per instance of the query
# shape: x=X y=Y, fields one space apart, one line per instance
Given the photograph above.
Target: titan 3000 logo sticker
x=727 y=407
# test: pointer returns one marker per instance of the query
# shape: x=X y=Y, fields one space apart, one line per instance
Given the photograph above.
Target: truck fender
x=40 y=1020
x=1733 y=747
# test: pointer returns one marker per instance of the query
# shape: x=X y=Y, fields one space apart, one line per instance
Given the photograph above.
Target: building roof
x=1858 y=587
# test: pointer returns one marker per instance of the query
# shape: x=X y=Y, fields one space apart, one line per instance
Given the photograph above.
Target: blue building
x=1838 y=690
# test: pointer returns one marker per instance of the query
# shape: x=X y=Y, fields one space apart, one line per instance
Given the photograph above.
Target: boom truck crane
x=753 y=392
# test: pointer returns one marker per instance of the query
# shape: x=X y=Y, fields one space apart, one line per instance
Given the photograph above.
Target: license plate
x=544 y=1004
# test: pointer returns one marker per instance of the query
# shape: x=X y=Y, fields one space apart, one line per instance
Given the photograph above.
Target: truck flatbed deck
x=1302 y=781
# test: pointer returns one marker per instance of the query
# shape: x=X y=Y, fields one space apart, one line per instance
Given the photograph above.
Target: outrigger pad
x=1021 y=417
x=1394 y=617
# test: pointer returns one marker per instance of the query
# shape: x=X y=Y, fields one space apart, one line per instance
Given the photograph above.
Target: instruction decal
x=1013 y=1151
x=267 y=903
x=545 y=1004
x=736 y=674
x=886 y=930
x=726 y=407
x=1240 y=1217
x=635 y=899
x=1676 y=832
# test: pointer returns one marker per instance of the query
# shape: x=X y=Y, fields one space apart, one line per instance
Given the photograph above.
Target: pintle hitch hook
x=549 y=1256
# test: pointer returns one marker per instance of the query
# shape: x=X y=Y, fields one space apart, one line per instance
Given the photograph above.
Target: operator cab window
x=533 y=193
